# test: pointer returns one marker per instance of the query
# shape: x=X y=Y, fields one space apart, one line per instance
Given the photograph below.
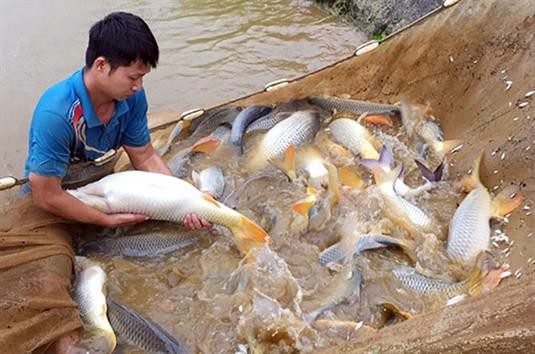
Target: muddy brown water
x=210 y=51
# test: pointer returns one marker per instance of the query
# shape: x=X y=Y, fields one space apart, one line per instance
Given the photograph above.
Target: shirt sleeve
x=50 y=144
x=137 y=132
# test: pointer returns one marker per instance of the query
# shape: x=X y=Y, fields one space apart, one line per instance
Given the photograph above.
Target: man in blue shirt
x=100 y=107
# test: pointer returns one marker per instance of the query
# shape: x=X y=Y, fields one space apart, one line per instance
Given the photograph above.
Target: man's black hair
x=121 y=38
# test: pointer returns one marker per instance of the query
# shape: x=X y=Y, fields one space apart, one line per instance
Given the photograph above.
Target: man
x=99 y=108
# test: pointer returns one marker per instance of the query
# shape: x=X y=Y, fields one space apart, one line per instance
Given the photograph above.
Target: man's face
x=124 y=81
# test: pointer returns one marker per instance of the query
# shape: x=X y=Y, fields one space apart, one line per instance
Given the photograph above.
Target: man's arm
x=144 y=158
x=47 y=194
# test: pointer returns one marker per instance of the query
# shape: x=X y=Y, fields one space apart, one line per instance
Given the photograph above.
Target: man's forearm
x=65 y=205
x=154 y=164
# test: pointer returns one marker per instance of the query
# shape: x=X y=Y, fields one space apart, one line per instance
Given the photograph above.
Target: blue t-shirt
x=65 y=128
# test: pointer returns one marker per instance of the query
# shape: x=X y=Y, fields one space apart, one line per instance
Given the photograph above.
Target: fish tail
x=350 y=177
x=471 y=181
x=110 y=338
x=249 y=234
x=386 y=159
x=379 y=119
x=207 y=144
x=474 y=282
x=287 y=165
x=432 y=176
x=506 y=201
x=334 y=184
x=368 y=151
x=302 y=207
x=384 y=178
x=446 y=146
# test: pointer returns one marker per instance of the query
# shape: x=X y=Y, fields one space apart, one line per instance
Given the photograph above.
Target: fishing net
x=36 y=261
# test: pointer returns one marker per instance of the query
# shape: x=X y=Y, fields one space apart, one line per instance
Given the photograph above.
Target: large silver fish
x=142 y=245
x=358 y=107
x=354 y=137
x=166 y=198
x=300 y=128
x=90 y=294
x=140 y=331
x=469 y=231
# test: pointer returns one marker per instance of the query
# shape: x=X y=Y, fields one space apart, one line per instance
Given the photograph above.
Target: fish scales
x=296 y=130
x=142 y=332
x=469 y=231
x=267 y=123
x=347 y=105
x=151 y=244
x=413 y=280
x=353 y=136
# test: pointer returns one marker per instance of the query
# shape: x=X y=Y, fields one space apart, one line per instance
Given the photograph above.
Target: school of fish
x=329 y=212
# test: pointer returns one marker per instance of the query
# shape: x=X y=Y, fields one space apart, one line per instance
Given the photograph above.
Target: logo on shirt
x=77 y=120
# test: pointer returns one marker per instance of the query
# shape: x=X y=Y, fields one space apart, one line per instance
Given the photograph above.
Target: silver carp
x=166 y=198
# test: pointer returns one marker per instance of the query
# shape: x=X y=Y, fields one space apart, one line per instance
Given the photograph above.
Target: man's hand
x=192 y=221
x=116 y=220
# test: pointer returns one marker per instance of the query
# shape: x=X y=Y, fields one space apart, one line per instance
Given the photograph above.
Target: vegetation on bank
x=379 y=17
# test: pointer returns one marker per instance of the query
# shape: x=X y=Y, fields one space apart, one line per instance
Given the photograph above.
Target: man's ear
x=101 y=65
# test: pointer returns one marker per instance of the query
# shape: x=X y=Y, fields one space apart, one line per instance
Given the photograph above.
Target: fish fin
x=207 y=144
x=506 y=201
x=303 y=206
x=350 y=177
x=383 y=178
x=368 y=151
x=432 y=176
x=386 y=159
x=210 y=199
x=446 y=146
x=287 y=165
x=249 y=235
x=471 y=181
x=397 y=311
x=379 y=119
x=334 y=185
